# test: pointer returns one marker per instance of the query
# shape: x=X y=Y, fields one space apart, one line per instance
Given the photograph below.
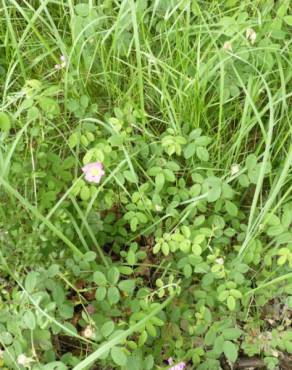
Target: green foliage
x=183 y=249
x=4 y=122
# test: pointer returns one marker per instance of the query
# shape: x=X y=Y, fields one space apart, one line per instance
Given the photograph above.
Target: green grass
x=139 y=77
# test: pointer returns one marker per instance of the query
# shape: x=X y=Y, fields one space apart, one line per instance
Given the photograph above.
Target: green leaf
x=141 y=217
x=195 y=134
x=275 y=230
x=251 y=161
x=223 y=295
x=99 y=278
x=53 y=270
x=129 y=215
x=173 y=166
x=284 y=238
x=149 y=362
x=218 y=345
x=187 y=269
x=213 y=186
x=282 y=10
x=159 y=181
x=169 y=175
x=4 y=122
x=130 y=176
x=164 y=249
x=287 y=217
x=156 y=248
x=230 y=351
x=88 y=157
x=31 y=281
x=199 y=238
x=242 y=267
x=203 y=141
x=185 y=246
x=189 y=150
x=131 y=257
x=28 y=320
x=142 y=338
x=272 y=220
x=107 y=328
x=231 y=303
x=227 y=191
x=151 y=329
x=288 y=346
x=119 y=357
x=134 y=361
x=282 y=260
x=236 y=293
x=68 y=163
x=202 y=154
x=288 y=20
x=113 y=295
x=210 y=337
x=58 y=293
x=55 y=365
x=33 y=113
x=133 y=223
x=89 y=256
x=85 y=193
x=231 y=333
x=126 y=270
x=73 y=140
x=113 y=275
x=186 y=231
x=49 y=106
x=82 y=10
x=116 y=140
x=100 y=293
x=195 y=190
x=243 y=180
x=231 y=208
x=197 y=249
x=153 y=171
x=6 y=338
x=66 y=311
x=127 y=286
x=84 y=100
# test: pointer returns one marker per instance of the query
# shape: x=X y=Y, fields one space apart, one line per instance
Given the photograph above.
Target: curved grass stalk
x=6 y=268
x=89 y=230
x=274 y=192
x=39 y=216
x=119 y=338
x=271 y=282
x=139 y=59
x=8 y=157
x=266 y=154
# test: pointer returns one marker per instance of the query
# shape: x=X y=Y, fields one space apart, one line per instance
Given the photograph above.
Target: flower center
x=95 y=172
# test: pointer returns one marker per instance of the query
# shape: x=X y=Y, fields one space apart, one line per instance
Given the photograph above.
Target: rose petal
x=93 y=172
x=179 y=366
x=170 y=361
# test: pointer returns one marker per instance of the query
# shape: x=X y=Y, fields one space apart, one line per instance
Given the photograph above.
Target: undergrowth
x=145 y=184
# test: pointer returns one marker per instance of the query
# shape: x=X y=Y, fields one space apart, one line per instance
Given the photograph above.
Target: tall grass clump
x=145 y=184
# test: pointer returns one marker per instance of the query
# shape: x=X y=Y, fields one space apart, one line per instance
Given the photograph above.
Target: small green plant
x=145 y=184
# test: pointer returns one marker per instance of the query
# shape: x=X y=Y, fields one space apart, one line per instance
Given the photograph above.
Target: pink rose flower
x=179 y=366
x=93 y=172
